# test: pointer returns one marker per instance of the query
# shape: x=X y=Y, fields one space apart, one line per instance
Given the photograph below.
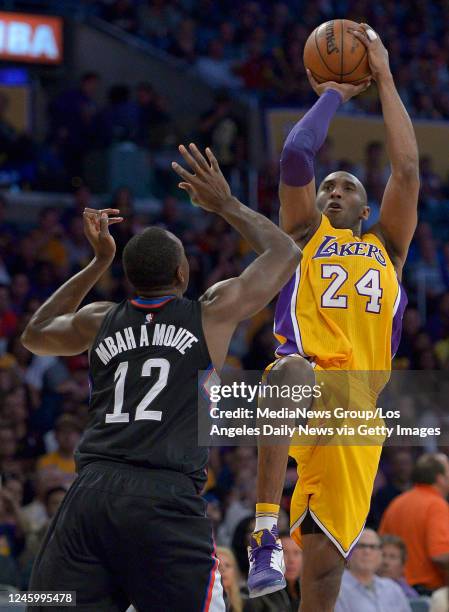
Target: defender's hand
x=207 y=187
x=377 y=53
x=96 y=230
x=346 y=90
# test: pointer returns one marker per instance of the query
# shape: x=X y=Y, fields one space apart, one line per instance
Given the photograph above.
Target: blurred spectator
x=36 y=511
x=53 y=499
x=361 y=589
x=394 y=556
x=439 y=602
x=221 y=130
x=438 y=324
x=240 y=543
x=122 y=13
x=118 y=120
x=421 y=518
x=215 y=69
x=8 y=318
x=67 y=433
x=157 y=18
x=153 y=120
x=431 y=186
x=8 y=446
x=374 y=173
x=13 y=525
x=184 y=43
x=230 y=579
x=426 y=272
x=72 y=117
x=399 y=480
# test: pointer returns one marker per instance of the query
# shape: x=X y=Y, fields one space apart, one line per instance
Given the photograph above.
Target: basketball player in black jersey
x=132 y=528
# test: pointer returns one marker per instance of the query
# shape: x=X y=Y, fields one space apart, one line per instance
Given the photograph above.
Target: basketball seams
x=341 y=49
x=361 y=78
x=356 y=66
x=319 y=53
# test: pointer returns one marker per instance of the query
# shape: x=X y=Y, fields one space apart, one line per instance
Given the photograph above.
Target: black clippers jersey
x=144 y=387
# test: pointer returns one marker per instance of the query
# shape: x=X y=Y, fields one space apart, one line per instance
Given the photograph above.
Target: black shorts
x=125 y=535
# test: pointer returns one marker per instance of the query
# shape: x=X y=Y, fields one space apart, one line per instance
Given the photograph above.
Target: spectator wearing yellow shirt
x=67 y=433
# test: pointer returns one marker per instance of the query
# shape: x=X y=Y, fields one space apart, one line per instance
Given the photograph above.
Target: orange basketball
x=332 y=53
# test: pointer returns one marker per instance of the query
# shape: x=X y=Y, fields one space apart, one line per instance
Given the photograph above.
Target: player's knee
x=329 y=575
x=293 y=369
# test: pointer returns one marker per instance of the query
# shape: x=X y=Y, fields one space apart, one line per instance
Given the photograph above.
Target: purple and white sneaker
x=266 y=563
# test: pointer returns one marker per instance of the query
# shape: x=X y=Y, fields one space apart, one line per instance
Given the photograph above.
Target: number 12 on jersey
x=368 y=285
x=142 y=413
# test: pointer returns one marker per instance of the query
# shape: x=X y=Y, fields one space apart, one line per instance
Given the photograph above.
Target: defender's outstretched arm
x=233 y=300
x=58 y=327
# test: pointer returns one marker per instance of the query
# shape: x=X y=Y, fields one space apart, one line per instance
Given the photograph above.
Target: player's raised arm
x=58 y=327
x=299 y=215
x=398 y=213
x=231 y=301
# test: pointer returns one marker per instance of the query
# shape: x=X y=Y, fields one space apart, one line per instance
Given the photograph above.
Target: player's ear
x=180 y=276
x=365 y=212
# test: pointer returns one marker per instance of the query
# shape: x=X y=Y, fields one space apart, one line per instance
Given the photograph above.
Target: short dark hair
x=427 y=468
x=150 y=259
x=393 y=540
x=53 y=490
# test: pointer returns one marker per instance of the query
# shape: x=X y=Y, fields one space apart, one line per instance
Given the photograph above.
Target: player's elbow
x=408 y=170
x=291 y=255
x=30 y=341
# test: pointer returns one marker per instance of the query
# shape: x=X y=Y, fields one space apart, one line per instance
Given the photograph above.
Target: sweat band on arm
x=306 y=139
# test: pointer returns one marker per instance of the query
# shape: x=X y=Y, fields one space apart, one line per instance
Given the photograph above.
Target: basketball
x=332 y=53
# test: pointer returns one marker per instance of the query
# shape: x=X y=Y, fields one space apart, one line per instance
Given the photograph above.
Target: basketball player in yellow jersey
x=341 y=311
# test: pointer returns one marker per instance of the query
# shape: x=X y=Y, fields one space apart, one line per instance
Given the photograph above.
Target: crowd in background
x=81 y=135
x=44 y=400
x=256 y=46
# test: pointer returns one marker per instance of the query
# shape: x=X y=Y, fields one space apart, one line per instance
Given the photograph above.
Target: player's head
x=342 y=198
x=155 y=261
x=366 y=557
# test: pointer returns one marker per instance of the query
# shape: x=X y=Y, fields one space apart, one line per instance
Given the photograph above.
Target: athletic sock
x=266 y=516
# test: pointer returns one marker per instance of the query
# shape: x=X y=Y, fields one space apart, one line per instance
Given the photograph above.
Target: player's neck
x=161 y=292
x=357 y=229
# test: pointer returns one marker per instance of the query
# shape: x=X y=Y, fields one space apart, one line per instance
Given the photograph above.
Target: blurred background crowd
x=257 y=45
x=254 y=48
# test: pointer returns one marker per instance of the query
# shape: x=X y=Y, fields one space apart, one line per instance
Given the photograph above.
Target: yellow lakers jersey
x=343 y=307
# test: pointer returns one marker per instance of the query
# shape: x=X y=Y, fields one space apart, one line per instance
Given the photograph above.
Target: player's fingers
x=104 y=224
x=187 y=187
x=190 y=160
x=361 y=36
x=182 y=172
x=311 y=78
x=201 y=160
x=370 y=33
x=363 y=86
x=213 y=160
x=113 y=220
x=90 y=220
x=109 y=211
